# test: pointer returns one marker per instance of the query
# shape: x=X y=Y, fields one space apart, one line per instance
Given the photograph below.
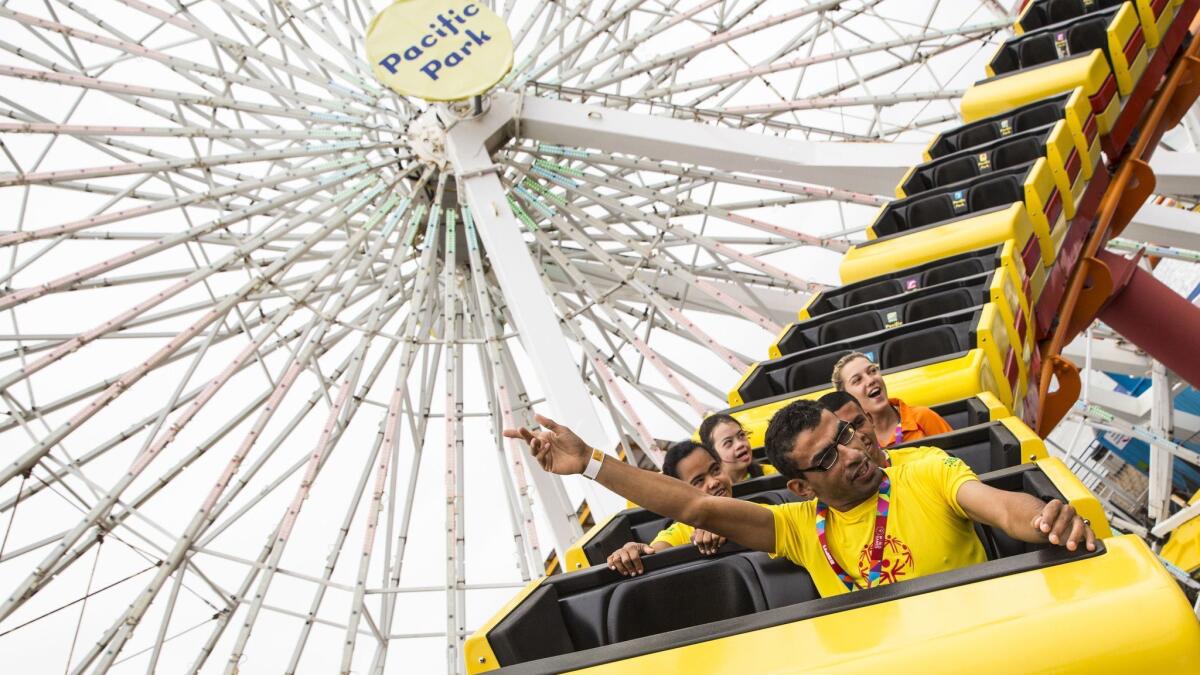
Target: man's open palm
x=555 y=447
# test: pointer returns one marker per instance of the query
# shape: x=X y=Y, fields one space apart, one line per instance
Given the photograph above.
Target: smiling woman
x=895 y=421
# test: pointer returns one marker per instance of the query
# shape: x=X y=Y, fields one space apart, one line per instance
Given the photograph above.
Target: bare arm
x=558 y=450
x=1025 y=517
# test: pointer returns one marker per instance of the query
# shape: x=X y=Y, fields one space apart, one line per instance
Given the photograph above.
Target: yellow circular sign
x=439 y=50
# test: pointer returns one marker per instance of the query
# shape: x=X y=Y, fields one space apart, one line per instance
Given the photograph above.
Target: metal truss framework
x=257 y=341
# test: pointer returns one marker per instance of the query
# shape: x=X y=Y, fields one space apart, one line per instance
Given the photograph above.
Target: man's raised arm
x=558 y=450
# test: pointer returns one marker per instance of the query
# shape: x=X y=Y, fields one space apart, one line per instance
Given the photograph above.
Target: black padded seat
x=917 y=346
x=783 y=582
x=952 y=270
x=807 y=373
x=657 y=603
x=938 y=304
x=535 y=629
x=848 y=327
x=876 y=291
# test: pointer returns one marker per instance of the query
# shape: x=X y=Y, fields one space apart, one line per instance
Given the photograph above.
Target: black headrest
x=812 y=372
x=875 y=291
x=928 y=343
x=938 y=304
x=951 y=271
x=848 y=327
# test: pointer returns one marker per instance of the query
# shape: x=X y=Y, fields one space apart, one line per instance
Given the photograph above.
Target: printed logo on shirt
x=898 y=563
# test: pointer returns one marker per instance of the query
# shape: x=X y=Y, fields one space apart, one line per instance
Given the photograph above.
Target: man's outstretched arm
x=558 y=450
x=1025 y=517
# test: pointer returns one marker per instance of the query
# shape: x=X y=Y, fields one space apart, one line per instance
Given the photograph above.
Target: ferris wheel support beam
x=468 y=145
x=867 y=168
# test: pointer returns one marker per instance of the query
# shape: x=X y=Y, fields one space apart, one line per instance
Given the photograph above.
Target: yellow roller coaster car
x=1105 y=53
x=740 y=611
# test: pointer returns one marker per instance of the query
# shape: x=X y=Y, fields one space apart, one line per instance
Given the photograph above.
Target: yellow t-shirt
x=767 y=470
x=678 y=534
x=905 y=455
x=927 y=531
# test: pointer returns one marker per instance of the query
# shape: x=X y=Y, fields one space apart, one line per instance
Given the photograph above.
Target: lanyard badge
x=882 y=506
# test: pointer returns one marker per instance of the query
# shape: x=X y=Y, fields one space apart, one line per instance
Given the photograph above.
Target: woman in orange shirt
x=895 y=421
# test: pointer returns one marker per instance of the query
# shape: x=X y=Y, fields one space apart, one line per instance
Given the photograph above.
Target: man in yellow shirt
x=846 y=408
x=698 y=466
x=922 y=510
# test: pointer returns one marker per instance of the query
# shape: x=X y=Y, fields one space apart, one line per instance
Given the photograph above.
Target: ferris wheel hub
x=427 y=138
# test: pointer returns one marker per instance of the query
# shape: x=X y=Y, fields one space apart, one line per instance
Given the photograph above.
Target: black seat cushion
x=848 y=327
x=928 y=343
x=875 y=291
x=938 y=304
x=701 y=592
x=951 y=271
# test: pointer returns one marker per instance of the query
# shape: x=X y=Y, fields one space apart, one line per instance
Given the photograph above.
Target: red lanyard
x=882 y=506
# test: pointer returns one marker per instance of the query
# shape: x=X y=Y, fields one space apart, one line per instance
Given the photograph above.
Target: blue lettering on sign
x=446 y=26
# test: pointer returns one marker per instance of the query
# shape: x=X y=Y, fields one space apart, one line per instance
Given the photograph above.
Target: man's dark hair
x=710 y=423
x=682 y=450
x=785 y=425
x=834 y=400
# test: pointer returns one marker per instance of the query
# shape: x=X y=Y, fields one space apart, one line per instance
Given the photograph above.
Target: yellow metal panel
x=996 y=95
x=1059 y=148
x=735 y=399
x=1183 y=548
x=803 y=313
x=576 y=560
x=1155 y=26
x=773 y=351
x=1084 y=501
x=1039 y=190
x=1118 y=612
x=1032 y=447
x=958 y=236
x=1123 y=32
x=1084 y=130
x=476 y=650
x=992 y=337
x=904 y=179
x=996 y=409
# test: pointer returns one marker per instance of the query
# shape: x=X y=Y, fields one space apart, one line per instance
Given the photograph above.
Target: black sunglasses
x=828 y=457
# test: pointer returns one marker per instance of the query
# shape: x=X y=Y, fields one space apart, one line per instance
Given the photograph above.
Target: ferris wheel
x=264 y=319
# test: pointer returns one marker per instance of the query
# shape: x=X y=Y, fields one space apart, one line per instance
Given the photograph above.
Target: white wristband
x=593 y=466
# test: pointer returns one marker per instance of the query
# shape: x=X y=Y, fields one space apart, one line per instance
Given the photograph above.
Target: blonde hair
x=836 y=377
